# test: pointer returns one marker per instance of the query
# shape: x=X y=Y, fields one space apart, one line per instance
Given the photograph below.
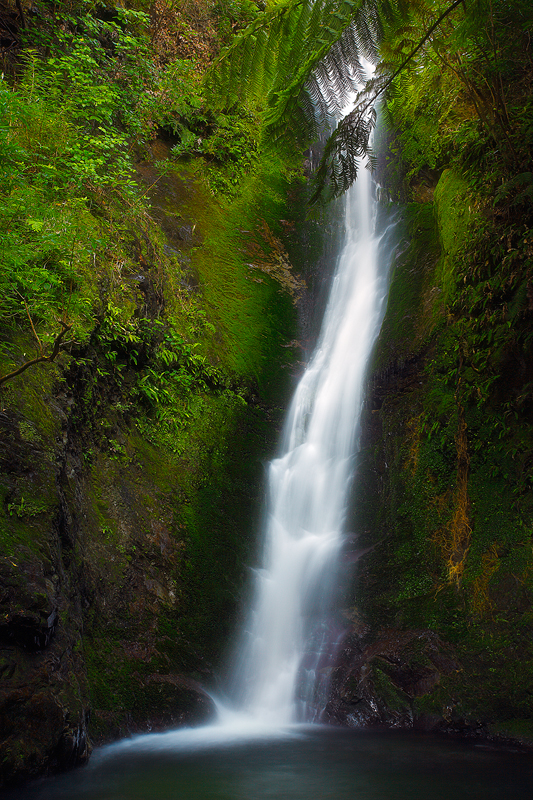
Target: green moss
x=28 y=503
x=408 y=319
x=515 y=728
x=14 y=534
x=457 y=216
x=440 y=418
x=30 y=393
x=109 y=674
x=395 y=699
x=252 y=312
x=219 y=521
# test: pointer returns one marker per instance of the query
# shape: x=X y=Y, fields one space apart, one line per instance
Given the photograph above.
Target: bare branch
x=58 y=342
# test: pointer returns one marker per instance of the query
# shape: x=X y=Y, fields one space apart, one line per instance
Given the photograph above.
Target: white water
x=285 y=656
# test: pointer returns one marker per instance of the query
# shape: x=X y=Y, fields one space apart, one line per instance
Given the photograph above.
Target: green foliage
x=179 y=372
x=257 y=323
x=88 y=92
x=453 y=447
x=227 y=141
x=427 y=113
x=178 y=346
x=461 y=97
x=179 y=104
x=467 y=425
x=25 y=509
x=234 y=15
x=43 y=268
x=59 y=151
x=295 y=57
x=94 y=68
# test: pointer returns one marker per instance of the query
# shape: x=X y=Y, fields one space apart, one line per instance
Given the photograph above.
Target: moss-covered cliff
x=441 y=600
x=443 y=502
x=153 y=287
x=129 y=493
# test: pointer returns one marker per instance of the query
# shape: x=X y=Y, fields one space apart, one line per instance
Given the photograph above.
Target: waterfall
x=284 y=657
x=287 y=649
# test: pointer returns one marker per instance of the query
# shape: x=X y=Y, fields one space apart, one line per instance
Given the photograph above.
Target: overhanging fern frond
x=333 y=60
x=274 y=56
x=350 y=141
x=250 y=53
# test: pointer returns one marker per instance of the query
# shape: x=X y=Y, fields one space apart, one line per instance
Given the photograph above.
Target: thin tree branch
x=413 y=52
x=53 y=355
x=39 y=343
x=359 y=112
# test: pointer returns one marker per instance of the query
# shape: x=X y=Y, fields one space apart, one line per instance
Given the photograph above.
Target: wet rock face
x=43 y=692
x=40 y=733
x=28 y=613
x=43 y=697
x=45 y=701
x=90 y=590
x=188 y=704
x=380 y=680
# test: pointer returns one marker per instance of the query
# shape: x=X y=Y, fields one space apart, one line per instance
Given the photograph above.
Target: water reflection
x=302 y=763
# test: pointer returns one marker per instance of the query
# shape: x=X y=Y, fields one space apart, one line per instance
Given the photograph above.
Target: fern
x=300 y=63
x=346 y=146
x=274 y=56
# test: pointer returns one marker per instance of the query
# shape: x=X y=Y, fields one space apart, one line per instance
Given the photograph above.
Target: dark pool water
x=302 y=764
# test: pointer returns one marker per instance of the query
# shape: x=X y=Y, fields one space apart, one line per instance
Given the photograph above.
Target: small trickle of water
x=284 y=659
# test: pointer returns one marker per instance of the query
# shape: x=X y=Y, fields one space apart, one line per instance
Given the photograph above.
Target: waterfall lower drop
x=283 y=664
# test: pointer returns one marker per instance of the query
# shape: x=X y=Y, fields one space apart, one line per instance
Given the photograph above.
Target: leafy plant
x=25 y=509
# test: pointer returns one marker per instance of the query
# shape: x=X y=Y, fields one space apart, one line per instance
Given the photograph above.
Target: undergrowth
x=141 y=239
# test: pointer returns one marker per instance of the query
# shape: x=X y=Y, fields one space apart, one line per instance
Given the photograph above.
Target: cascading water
x=282 y=667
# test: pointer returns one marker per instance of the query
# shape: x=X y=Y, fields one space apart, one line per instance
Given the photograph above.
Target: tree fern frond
x=216 y=81
x=256 y=66
x=320 y=38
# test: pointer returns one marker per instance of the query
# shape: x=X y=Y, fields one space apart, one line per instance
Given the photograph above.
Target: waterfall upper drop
x=282 y=671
